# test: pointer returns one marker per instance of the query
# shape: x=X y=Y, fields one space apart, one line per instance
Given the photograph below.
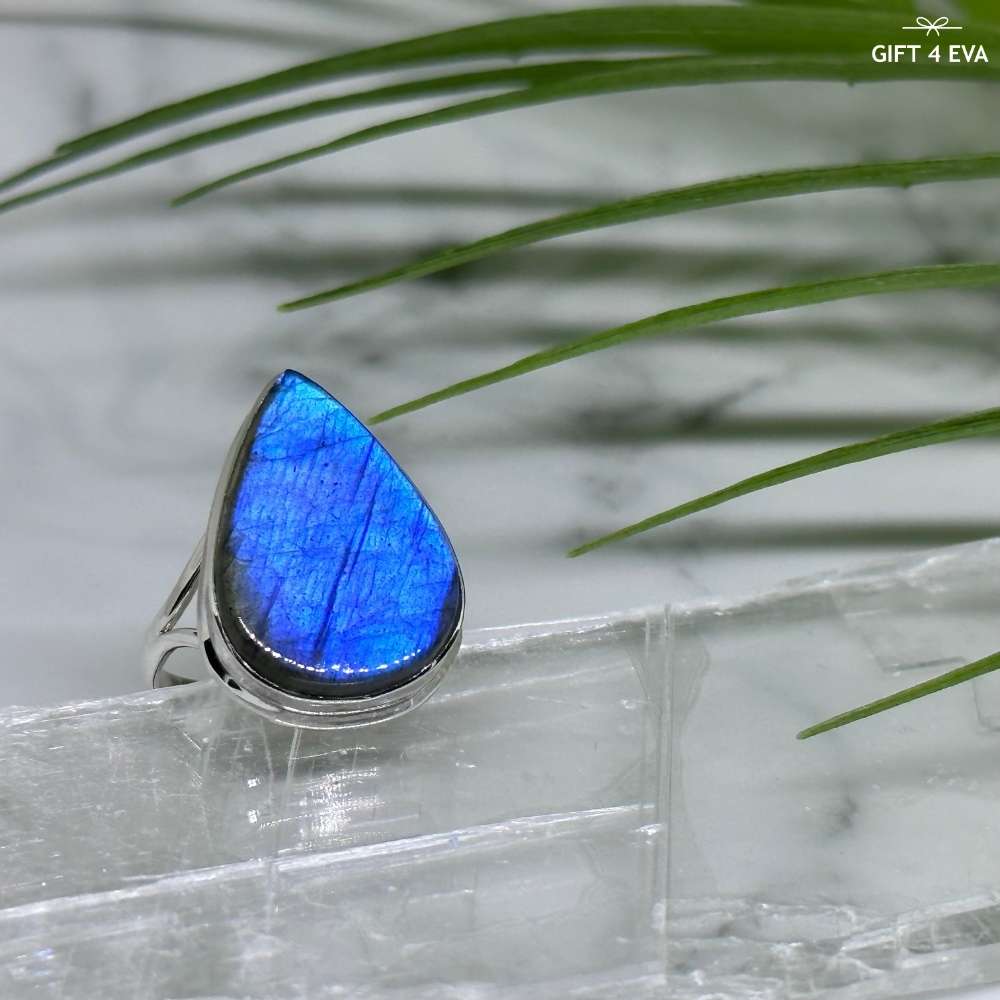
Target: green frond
x=410 y=90
x=941 y=431
x=716 y=29
x=673 y=201
x=913 y=279
x=903 y=6
x=958 y=676
x=985 y=10
x=643 y=74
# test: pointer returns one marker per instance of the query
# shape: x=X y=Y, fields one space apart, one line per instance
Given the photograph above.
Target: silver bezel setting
x=229 y=667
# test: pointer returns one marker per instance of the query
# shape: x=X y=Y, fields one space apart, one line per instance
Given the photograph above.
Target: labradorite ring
x=328 y=593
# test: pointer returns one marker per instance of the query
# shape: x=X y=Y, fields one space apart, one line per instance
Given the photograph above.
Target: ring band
x=328 y=593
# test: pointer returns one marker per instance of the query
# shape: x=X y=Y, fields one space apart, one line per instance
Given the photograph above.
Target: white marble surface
x=135 y=337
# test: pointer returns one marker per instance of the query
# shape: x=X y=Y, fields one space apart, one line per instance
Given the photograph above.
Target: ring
x=328 y=593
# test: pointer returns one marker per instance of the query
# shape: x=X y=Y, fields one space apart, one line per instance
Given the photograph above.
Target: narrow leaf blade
x=643 y=74
x=912 y=279
x=658 y=204
x=958 y=676
x=410 y=90
x=939 y=432
x=704 y=28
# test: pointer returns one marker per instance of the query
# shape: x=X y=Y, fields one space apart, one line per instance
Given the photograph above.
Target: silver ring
x=328 y=593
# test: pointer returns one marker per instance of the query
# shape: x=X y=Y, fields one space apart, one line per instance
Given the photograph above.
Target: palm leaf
x=939 y=432
x=569 y=81
x=644 y=27
x=643 y=74
x=410 y=90
x=712 y=194
x=913 y=279
x=901 y=5
x=984 y=9
x=718 y=29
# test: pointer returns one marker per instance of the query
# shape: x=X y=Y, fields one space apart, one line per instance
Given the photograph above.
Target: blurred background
x=136 y=336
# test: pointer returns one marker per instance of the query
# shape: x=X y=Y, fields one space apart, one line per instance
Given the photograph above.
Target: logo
x=938 y=53
x=936 y=27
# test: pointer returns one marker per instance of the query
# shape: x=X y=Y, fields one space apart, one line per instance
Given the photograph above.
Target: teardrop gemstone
x=332 y=576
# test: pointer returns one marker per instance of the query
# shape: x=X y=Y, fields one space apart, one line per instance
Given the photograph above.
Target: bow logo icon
x=930 y=27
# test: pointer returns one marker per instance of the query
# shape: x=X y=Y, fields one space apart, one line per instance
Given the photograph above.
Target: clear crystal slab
x=507 y=836
x=614 y=807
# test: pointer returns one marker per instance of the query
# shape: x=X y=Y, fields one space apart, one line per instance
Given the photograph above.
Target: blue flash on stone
x=333 y=577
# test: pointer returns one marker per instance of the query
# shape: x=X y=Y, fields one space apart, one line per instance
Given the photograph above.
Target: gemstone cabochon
x=333 y=578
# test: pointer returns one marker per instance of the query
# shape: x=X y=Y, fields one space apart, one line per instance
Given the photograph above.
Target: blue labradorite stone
x=332 y=576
